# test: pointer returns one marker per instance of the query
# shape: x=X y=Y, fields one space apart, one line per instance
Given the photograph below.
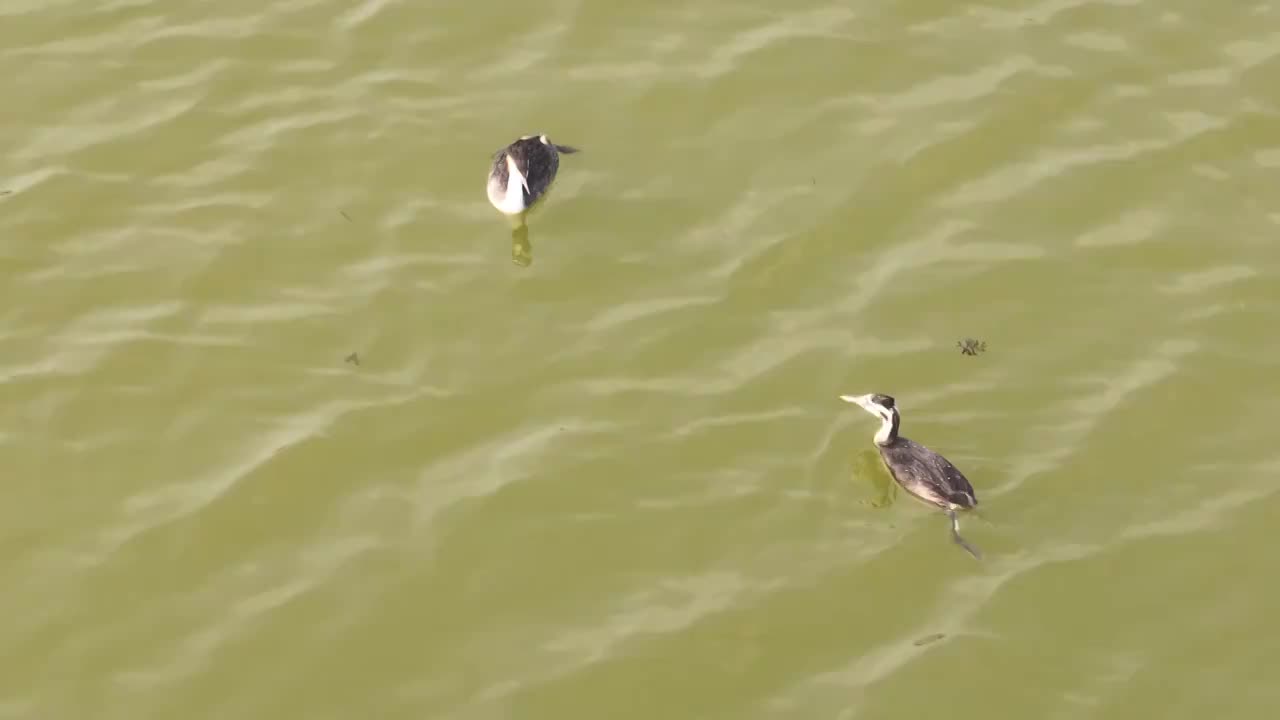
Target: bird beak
x=863 y=401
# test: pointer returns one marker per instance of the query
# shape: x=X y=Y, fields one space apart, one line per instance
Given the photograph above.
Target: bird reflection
x=884 y=490
x=521 y=248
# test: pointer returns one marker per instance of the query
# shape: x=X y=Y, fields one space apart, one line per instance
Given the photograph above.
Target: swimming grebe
x=919 y=470
x=522 y=172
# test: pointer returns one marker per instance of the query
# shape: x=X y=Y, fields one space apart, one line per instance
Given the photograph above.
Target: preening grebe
x=522 y=172
x=919 y=470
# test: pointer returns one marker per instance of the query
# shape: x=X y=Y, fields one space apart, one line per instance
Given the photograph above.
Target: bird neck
x=888 y=432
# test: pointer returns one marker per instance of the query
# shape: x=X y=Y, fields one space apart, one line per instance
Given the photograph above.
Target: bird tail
x=566 y=149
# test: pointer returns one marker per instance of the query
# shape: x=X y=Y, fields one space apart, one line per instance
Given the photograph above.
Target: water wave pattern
x=287 y=433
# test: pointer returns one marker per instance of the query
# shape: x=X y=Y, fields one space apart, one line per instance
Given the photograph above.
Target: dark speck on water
x=929 y=639
x=354 y=359
x=344 y=214
x=969 y=346
x=6 y=192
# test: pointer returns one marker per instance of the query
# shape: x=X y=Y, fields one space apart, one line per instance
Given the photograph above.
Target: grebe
x=919 y=470
x=522 y=172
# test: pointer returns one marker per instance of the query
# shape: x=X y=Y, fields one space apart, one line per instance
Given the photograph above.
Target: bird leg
x=955 y=535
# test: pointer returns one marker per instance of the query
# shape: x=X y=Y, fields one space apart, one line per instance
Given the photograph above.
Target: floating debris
x=354 y=359
x=927 y=639
x=969 y=346
x=344 y=214
x=5 y=192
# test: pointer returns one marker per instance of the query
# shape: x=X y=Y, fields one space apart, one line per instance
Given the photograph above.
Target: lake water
x=286 y=433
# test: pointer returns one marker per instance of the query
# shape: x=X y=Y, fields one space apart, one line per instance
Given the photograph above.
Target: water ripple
x=624 y=464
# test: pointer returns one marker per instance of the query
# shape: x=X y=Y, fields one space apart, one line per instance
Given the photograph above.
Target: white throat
x=886 y=428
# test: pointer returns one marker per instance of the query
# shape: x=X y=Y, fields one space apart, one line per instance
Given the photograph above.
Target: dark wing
x=916 y=465
x=499 y=167
x=540 y=165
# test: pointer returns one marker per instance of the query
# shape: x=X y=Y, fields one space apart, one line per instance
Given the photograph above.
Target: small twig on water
x=929 y=639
